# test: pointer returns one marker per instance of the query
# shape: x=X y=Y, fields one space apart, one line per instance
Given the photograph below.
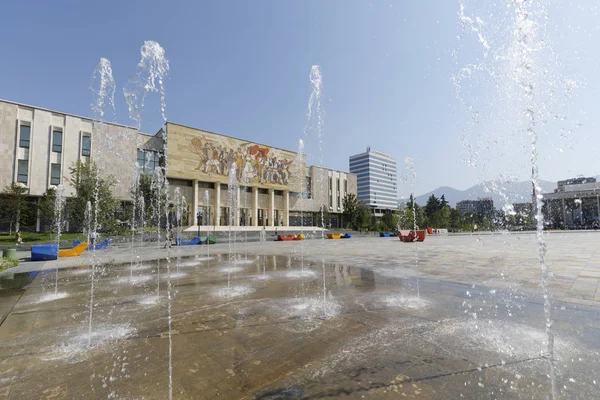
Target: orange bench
x=75 y=251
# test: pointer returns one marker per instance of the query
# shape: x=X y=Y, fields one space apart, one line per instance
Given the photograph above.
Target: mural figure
x=254 y=163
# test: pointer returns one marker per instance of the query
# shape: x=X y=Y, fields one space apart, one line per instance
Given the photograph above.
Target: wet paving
x=263 y=327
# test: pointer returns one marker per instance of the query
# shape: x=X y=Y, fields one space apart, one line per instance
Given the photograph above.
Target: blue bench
x=181 y=242
x=44 y=252
x=98 y=246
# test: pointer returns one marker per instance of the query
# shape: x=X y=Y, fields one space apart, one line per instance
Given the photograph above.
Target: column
x=236 y=212
x=563 y=212
x=217 y=204
x=195 y=203
x=38 y=219
x=271 y=207
x=254 y=206
x=286 y=208
x=598 y=205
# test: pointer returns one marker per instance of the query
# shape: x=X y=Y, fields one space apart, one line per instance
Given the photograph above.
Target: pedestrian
x=18 y=239
x=169 y=237
x=93 y=237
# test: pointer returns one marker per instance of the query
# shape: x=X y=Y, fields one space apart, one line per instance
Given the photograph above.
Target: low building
x=484 y=207
x=574 y=204
x=466 y=206
x=274 y=187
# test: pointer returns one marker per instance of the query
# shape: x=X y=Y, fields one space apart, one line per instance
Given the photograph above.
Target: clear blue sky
x=241 y=68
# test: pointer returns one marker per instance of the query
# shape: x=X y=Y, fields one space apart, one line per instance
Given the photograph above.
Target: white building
x=376 y=180
x=38 y=146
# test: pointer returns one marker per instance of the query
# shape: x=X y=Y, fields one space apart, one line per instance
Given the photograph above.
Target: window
x=148 y=160
x=206 y=185
x=278 y=192
x=263 y=191
x=23 y=171
x=86 y=146
x=55 y=174
x=180 y=182
x=346 y=186
x=338 y=184
x=141 y=159
x=57 y=141
x=25 y=136
x=330 y=184
x=224 y=186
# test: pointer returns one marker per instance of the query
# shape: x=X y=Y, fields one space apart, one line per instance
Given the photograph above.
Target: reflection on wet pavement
x=260 y=328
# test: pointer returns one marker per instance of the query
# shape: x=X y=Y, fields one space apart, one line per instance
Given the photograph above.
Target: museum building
x=273 y=187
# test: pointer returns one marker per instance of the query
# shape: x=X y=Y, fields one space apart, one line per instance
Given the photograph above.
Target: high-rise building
x=376 y=180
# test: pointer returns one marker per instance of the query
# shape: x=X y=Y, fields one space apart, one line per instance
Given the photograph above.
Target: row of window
x=57 y=140
x=23 y=172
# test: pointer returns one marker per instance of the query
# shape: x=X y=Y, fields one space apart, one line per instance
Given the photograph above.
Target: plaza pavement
x=504 y=261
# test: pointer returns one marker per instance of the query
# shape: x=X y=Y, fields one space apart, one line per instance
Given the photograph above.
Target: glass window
x=154 y=160
x=55 y=174
x=141 y=159
x=57 y=141
x=207 y=185
x=86 y=146
x=23 y=171
x=25 y=136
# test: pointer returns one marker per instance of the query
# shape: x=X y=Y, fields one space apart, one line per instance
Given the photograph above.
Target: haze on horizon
x=242 y=68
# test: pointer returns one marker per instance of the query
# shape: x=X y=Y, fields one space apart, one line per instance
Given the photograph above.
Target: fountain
x=412 y=176
x=207 y=218
x=149 y=77
x=520 y=62
x=59 y=204
x=232 y=204
x=102 y=86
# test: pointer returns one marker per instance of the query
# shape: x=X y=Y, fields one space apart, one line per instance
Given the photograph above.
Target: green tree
x=149 y=192
x=362 y=216
x=47 y=203
x=390 y=222
x=350 y=204
x=406 y=216
x=84 y=178
x=432 y=207
x=455 y=220
x=373 y=223
x=14 y=206
x=324 y=217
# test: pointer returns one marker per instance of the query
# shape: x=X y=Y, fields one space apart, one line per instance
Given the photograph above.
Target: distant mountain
x=514 y=192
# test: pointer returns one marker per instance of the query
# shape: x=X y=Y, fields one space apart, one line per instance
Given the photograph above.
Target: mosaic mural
x=206 y=156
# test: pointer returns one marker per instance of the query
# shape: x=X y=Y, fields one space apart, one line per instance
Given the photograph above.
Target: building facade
x=376 y=179
x=574 y=204
x=271 y=187
x=483 y=207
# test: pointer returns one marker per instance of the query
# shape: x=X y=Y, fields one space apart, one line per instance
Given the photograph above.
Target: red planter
x=409 y=235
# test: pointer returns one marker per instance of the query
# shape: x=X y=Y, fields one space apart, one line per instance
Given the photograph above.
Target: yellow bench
x=333 y=236
x=75 y=251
